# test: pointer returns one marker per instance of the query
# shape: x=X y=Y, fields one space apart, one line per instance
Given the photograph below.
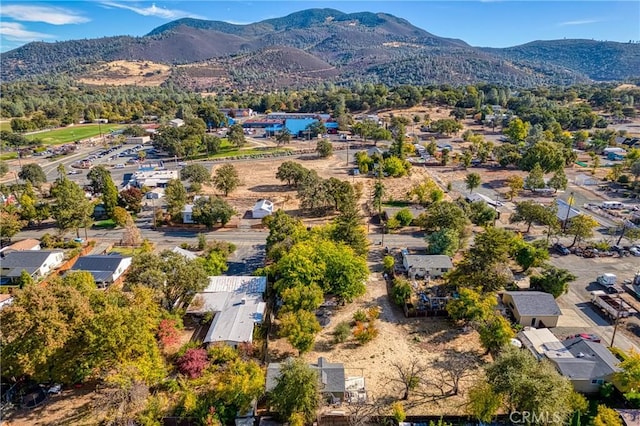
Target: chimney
x=243 y=301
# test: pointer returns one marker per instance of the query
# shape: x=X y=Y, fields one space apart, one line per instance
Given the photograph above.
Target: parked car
x=560 y=249
x=634 y=251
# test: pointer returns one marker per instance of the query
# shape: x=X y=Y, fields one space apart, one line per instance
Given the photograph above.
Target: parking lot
x=579 y=314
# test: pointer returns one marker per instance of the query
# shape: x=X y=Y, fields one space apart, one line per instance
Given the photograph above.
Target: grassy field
x=5 y=125
x=74 y=133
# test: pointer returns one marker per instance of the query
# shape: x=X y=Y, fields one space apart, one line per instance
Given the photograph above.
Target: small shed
x=262 y=208
x=586 y=180
x=533 y=308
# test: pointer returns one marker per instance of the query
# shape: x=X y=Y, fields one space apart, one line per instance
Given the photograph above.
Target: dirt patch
x=400 y=341
x=126 y=73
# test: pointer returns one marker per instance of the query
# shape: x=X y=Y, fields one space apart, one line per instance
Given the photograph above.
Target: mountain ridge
x=363 y=46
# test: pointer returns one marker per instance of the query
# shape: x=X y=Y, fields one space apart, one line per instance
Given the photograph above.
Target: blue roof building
x=297 y=126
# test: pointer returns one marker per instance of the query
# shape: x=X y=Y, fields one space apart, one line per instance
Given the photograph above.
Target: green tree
x=226 y=179
x=404 y=216
x=395 y=167
x=71 y=210
x=4 y=168
x=235 y=135
x=444 y=215
x=292 y=172
x=98 y=177
x=324 y=148
x=284 y=232
x=316 y=128
x=472 y=181
x=530 y=212
x=400 y=291
x=388 y=264
x=214 y=262
x=283 y=137
x=33 y=173
x=300 y=329
x=484 y=403
x=549 y=155
x=552 y=280
x=378 y=194
x=195 y=173
x=446 y=126
x=209 y=211
x=535 y=179
x=472 y=306
x=173 y=278
x=349 y=229
x=480 y=213
x=517 y=130
x=27 y=200
x=443 y=241
x=176 y=196
x=121 y=217
x=527 y=255
x=110 y=197
x=558 y=180
x=527 y=384
x=296 y=392
x=239 y=383
x=581 y=227
x=515 y=184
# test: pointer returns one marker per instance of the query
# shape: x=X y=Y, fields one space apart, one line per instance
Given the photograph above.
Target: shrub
x=401 y=291
x=168 y=333
x=405 y=217
x=373 y=313
x=193 y=362
x=365 y=333
x=360 y=316
x=342 y=332
x=388 y=263
x=393 y=224
x=398 y=412
x=624 y=179
x=221 y=353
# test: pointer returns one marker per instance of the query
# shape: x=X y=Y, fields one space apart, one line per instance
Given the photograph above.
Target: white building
x=262 y=208
x=153 y=178
x=37 y=263
x=176 y=122
x=426 y=265
x=237 y=304
x=138 y=140
x=105 y=269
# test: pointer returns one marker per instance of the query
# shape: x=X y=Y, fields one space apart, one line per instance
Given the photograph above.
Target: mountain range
x=320 y=45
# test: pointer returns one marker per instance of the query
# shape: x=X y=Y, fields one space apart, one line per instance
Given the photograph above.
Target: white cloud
x=47 y=14
x=17 y=32
x=152 y=10
x=581 y=22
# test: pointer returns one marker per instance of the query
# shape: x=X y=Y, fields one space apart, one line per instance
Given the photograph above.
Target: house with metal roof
x=37 y=263
x=262 y=208
x=105 y=269
x=331 y=377
x=237 y=304
x=532 y=308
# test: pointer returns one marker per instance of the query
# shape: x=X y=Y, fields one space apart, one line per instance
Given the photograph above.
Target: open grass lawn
x=9 y=156
x=5 y=125
x=105 y=224
x=73 y=133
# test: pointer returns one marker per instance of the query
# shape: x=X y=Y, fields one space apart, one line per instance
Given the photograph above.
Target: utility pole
x=566 y=219
x=615 y=326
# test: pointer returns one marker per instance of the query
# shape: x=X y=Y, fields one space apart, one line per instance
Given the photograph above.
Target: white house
x=28 y=244
x=237 y=304
x=262 y=208
x=105 y=269
x=37 y=263
x=176 y=122
x=421 y=265
x=187 y=214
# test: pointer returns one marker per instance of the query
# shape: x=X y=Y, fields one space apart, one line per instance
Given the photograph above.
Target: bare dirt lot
x=126 y=73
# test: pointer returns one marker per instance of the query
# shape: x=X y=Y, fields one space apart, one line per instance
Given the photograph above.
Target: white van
x=612 y=205
x=119 y=166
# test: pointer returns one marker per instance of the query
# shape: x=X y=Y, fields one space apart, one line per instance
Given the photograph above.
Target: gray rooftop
x=330 y=375
x=428 y=261
x=189 y=255
x=104 y=262
x=14 y=262
x=534 y=303
x=591 y=360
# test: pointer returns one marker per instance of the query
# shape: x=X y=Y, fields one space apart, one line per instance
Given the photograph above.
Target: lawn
x=105 y=224
x=9 y=156
x=73 y=133
x=5 y=125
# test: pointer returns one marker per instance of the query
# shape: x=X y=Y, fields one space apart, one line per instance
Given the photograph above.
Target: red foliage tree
x=193 y=362
x=168 y=333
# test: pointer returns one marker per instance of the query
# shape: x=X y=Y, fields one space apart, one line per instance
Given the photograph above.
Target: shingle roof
x=534 y=303
x=593 y=359
x=101 y=267
x=428 y=261
x=14 y=262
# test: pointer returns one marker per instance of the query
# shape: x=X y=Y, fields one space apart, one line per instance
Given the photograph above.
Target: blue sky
x=494 y=23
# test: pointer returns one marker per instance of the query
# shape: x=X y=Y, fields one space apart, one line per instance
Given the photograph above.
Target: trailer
x=614 y=307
